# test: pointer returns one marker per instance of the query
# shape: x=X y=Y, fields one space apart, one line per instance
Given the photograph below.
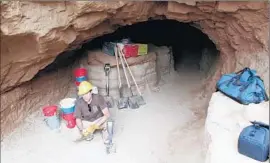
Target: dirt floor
x=164 y=130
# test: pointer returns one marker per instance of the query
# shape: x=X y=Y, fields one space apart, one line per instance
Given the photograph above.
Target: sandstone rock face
x=224 y=124
x=34 y=33
x=32 y=96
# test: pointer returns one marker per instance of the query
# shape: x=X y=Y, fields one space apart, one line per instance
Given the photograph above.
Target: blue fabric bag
x=244 y=87
x=253 y=141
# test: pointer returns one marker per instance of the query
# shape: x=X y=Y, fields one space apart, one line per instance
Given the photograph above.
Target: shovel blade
x=140 y=100
x=123 y=103
x=132 y=102
x=110 y=102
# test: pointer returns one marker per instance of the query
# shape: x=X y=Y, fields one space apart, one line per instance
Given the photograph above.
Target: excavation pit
x=38 y=70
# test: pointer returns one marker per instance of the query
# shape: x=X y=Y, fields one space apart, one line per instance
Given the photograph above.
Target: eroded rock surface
x=17 y=104
x=224 y=124
x=34 y=33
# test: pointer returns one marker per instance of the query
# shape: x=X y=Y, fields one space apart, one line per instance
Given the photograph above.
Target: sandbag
x=140 y=72
x=147 y=70
x=98 y=57
x=164 y=58
x=142 y=67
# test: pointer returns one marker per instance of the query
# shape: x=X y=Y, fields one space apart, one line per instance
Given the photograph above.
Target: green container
x=143 y=49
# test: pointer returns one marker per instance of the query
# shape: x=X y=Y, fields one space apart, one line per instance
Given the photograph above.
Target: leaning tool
x=109 y=100
x=123 y=101
x=132 y=99
x=139 y=99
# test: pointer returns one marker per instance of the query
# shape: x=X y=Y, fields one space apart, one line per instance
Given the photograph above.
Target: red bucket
x=49 y=110
x=77 y=83
x=68 y=116
x=70 y=120
x=71 y=123
x=79 y=72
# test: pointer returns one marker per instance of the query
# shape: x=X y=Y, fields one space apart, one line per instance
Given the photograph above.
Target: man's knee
x=103 y=125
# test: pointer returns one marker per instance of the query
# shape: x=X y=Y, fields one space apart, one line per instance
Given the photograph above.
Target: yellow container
x=143 y=49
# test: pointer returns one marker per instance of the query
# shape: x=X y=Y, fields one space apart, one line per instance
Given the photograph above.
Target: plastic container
x=77 y=83
x=79 y=72
x=53 y=122
x=49 y=110
x=130 y=50
x=67 y=105
x=70 y=120
x=80 y=79
x=71 y=123
x=143 y=49
x=68 y=116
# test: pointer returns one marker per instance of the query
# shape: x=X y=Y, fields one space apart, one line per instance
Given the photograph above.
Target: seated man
x=91 y=110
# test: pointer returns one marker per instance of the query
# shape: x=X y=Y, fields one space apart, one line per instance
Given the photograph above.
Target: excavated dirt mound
x=34 y=33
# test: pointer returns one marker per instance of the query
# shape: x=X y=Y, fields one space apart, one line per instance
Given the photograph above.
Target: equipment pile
x=246 y=87
x=123 y=50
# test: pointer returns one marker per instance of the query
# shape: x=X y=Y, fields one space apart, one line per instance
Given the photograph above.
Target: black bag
x=253 y=141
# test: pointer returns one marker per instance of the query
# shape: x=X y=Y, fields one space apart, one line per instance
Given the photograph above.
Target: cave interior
x=192 y=50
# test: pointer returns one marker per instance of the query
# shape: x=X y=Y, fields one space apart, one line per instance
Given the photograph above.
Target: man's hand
x=81 y=132
x=90 y=130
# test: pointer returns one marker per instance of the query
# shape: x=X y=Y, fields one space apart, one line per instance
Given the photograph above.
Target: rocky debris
x=34 y=33
x=225 y=120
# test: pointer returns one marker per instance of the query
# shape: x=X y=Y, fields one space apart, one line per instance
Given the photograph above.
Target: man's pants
x=103 y=127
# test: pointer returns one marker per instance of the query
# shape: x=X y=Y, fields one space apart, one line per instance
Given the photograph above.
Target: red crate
x=130 y=50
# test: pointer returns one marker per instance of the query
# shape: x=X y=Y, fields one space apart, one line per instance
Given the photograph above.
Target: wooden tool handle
x=117 y=64
x=123 y=65
x=131 y=74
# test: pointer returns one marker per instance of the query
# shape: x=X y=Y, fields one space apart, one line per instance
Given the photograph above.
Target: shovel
x=139 y=99
x=109 y=100
x=132 y=101
x=123 y=101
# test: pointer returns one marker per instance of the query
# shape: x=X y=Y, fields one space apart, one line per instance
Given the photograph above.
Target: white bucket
x=67 y=103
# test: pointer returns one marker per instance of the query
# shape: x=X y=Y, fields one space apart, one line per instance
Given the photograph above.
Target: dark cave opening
x=191 y=48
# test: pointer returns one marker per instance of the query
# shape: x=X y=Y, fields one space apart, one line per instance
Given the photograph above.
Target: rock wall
x=41 y=30
x=34 y=33
x=17 y=104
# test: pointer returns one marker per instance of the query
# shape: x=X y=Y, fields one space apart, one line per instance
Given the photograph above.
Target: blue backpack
x=244 y=87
